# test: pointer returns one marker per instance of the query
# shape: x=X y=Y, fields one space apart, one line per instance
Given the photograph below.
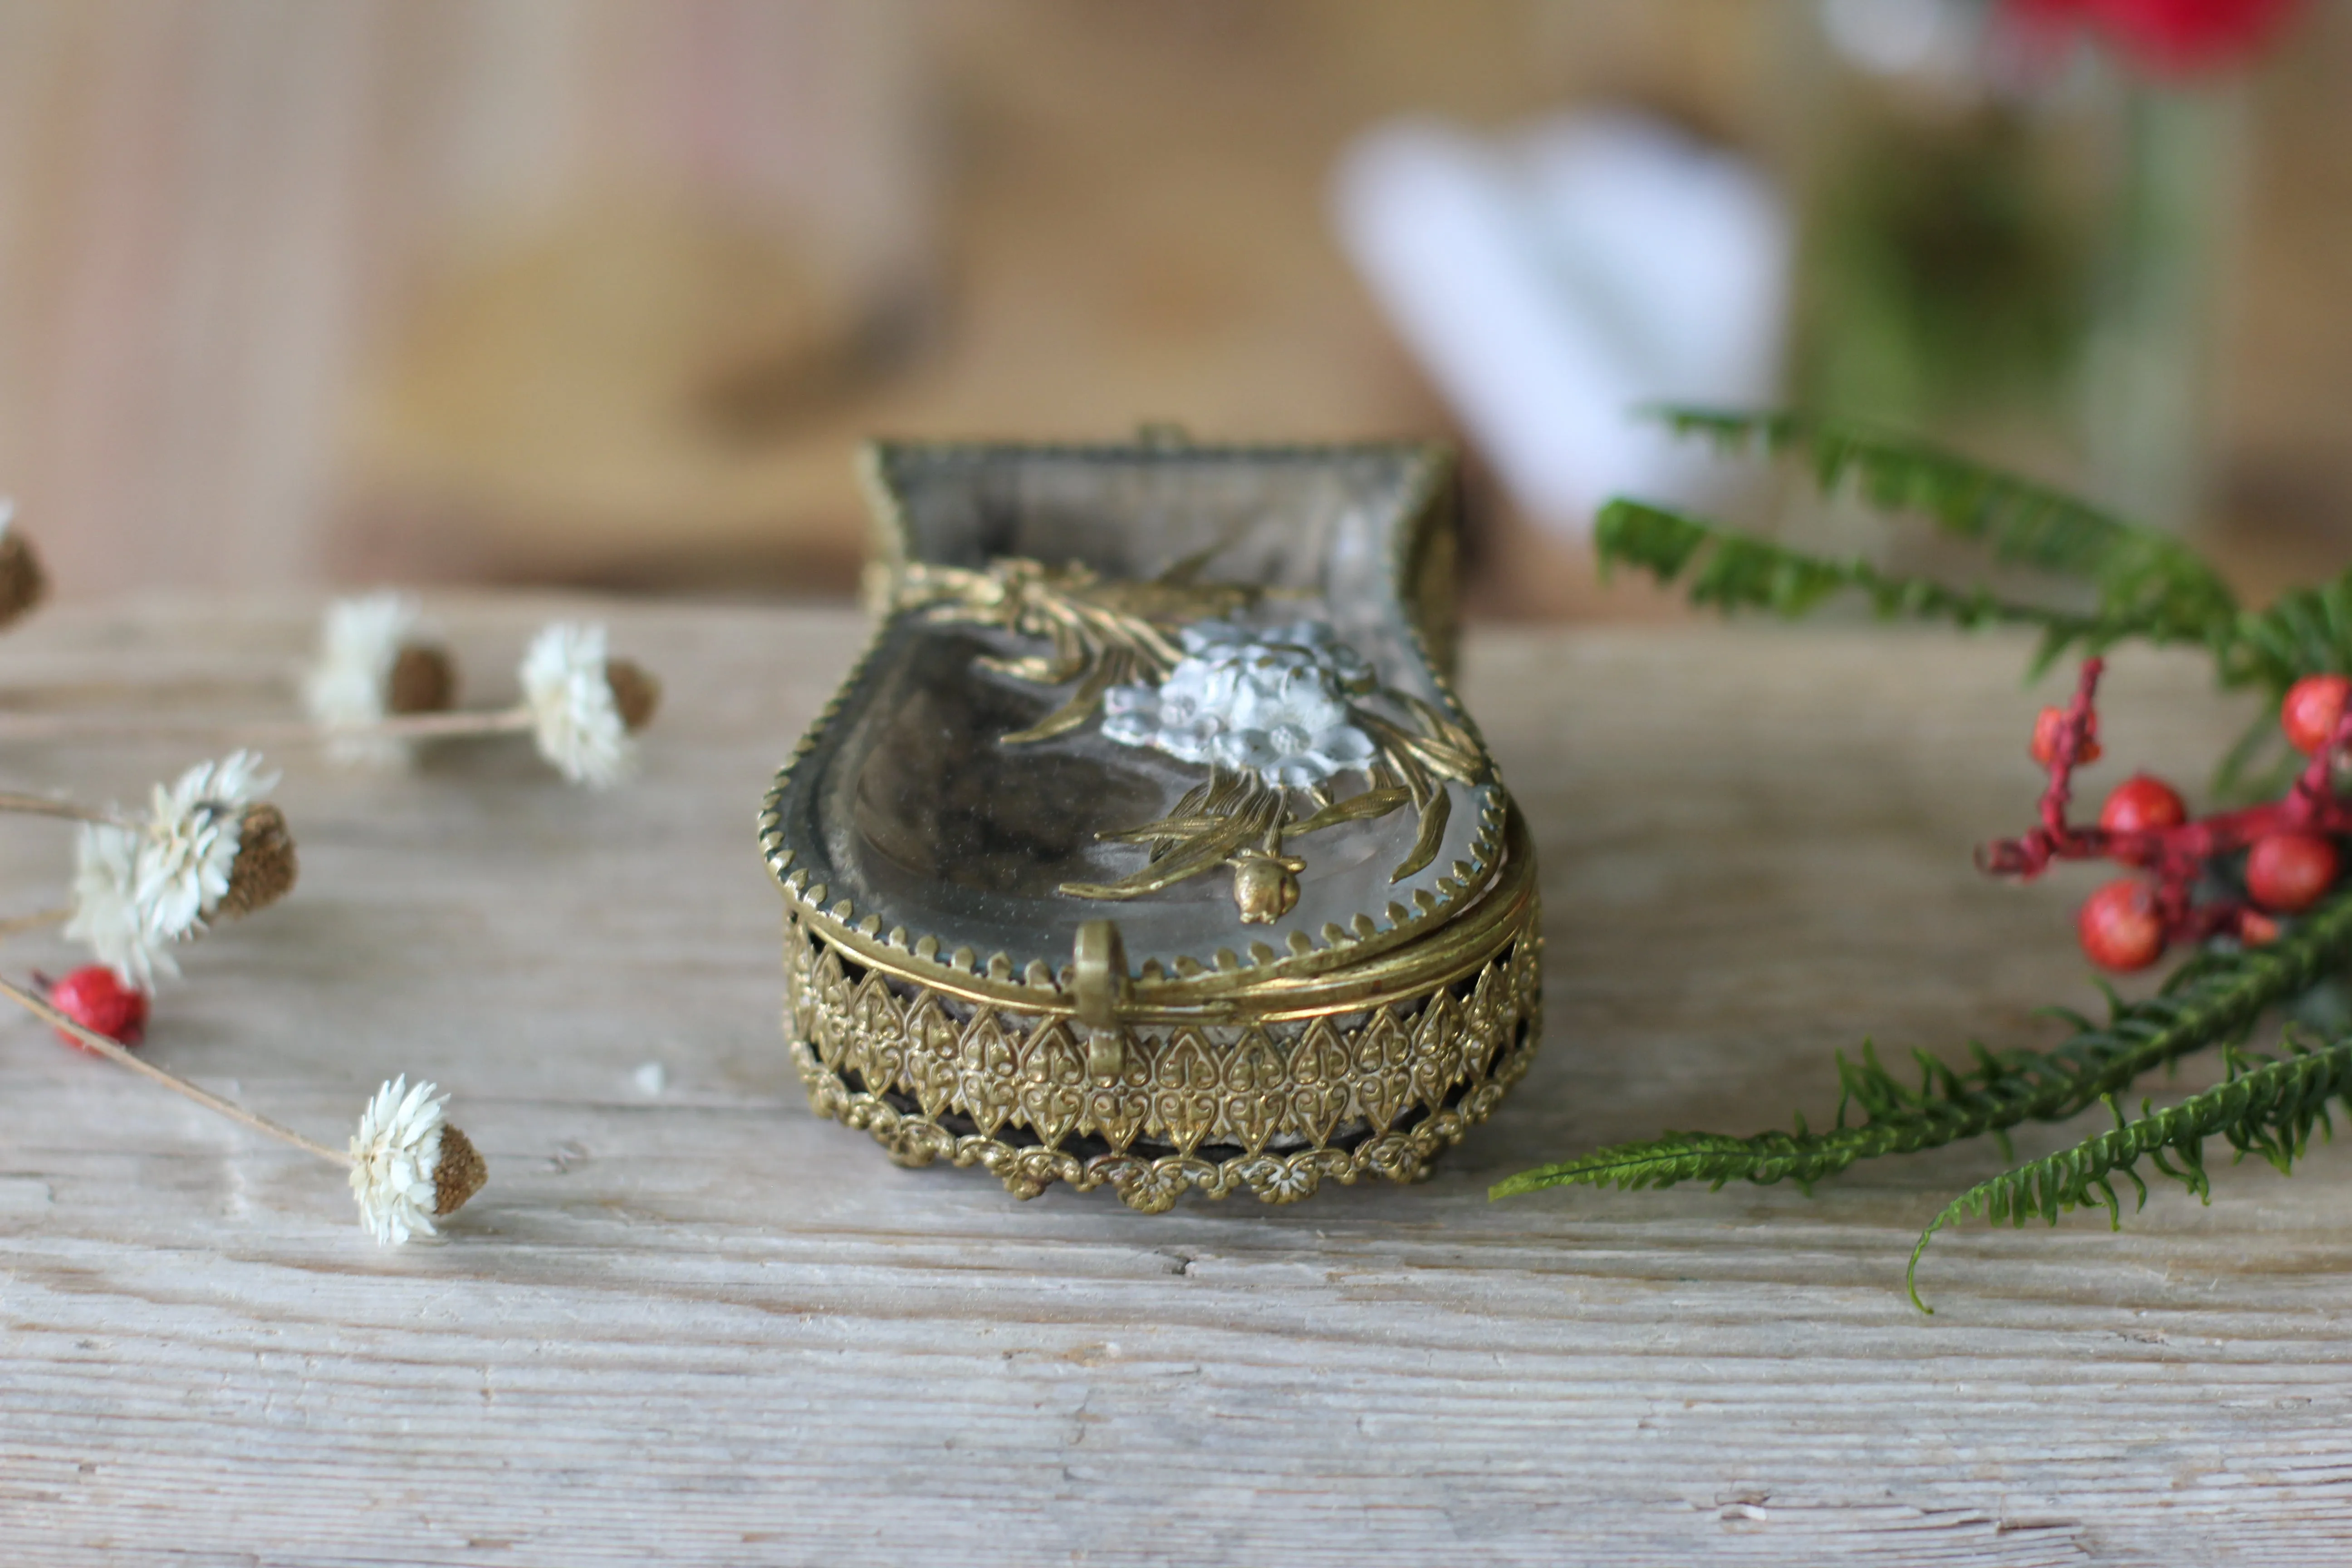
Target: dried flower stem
x=513 y=720
x=635 y=694
x=114 y=1051
x=50 y=806
x=36 y=697
x=17 y=925
x=397 y=727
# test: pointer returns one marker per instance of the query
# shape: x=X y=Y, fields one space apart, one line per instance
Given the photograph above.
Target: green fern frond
x=2307 y=631
x=2022 y=523
x=2148 y=584
x=2213 y=999
x=1714 y=1158
x=1733 y=570
x=2270 y=1108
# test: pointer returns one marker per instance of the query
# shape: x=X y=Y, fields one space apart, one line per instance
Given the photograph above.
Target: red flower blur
x=2175 y=37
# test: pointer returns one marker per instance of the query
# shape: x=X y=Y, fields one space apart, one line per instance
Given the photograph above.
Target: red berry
x=2047 y=727
x=2165 y=37
x=2142 y=804
x=2120 y=928
x=95 y=999
x=2255 y=929
x=2289 y=871
x=2312 y=709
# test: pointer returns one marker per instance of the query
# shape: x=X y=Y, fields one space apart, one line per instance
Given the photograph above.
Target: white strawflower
x=349 y=686
x=107 y=914
x=394 y=1155
x=573 y=717
x=138 y=889
x=191 y=842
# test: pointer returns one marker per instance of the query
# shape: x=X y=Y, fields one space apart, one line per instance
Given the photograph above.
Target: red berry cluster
x=2290 y=845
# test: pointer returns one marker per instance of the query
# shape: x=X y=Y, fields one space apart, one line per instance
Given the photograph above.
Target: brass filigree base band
x=1278 y=1106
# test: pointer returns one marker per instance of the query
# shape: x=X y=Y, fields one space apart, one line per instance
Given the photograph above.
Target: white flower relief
x=1273 y=701
x=573 y=718
x=394 y=1154
x=349 y=686
x=138 y=889
x=1316 y=639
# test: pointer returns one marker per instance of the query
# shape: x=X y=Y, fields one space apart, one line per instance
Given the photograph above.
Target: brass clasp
x=1098 y=959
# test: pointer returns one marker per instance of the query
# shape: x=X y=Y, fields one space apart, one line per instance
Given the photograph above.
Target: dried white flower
x=191 y=842
x=137 y=891
x=1274 y=702
x=573 y=717
x=107 y=914
x=349 y=686
x=395 y=1154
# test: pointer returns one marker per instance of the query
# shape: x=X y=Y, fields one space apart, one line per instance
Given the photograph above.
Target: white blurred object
x=1895 y=38
x=1554 y=281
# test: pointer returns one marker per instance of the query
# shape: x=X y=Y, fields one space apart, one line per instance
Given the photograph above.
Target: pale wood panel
x=703 y=1325
x=218 y=218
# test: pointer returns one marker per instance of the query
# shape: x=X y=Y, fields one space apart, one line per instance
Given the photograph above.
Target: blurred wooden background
x=602 y=291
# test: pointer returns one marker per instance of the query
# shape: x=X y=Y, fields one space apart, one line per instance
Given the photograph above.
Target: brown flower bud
x=264 y=869
x=424 y=680
x=1266 y=887
x=459 y=1174
x=636 y=693
x=23 y=583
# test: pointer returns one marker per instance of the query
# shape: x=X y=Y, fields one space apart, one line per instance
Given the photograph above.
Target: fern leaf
x=2148 y=584
x=2268 y=1108
x=2212 y=1000
x=2307 y=631
x=1733 y=570
x=1715 y=1158
x=2022 y=522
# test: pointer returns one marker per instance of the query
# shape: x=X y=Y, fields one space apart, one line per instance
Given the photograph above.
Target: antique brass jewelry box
x=1147 y=844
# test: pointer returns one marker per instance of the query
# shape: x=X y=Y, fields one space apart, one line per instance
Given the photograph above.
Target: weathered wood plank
x=700 y=1323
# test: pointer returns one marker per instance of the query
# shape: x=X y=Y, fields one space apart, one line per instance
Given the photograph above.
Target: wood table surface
x=689 y=1321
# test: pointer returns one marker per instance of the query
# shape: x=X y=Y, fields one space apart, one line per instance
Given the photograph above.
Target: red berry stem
x=2070 y=742
x=2073 y=747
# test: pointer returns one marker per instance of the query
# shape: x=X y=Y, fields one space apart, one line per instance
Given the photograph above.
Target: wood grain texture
x=701 y=1325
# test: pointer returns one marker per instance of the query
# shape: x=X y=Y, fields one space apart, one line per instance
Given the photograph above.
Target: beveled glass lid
x=1246 y=769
